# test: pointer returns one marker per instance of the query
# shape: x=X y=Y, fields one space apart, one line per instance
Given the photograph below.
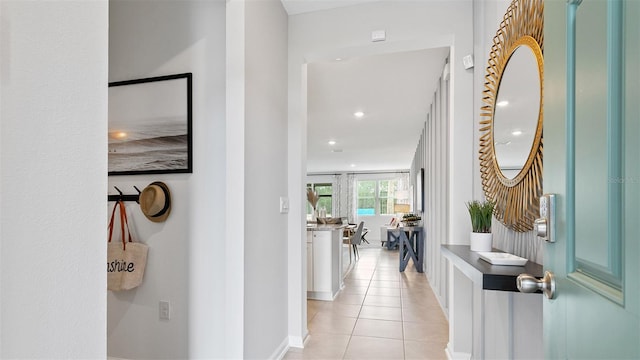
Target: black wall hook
x=125 y=197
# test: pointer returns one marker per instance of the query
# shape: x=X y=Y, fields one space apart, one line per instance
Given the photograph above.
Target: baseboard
x=298 y=341
x=320 y=295
x=451 y=355
x=281 y=351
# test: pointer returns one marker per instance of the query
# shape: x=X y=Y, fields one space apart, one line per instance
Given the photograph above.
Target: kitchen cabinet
x=324 y=262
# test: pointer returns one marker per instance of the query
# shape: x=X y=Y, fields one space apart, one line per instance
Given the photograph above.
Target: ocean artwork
x=149 y=125
x=155 y=147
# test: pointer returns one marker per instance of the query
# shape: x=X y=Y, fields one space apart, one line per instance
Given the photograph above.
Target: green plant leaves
x=480 y=212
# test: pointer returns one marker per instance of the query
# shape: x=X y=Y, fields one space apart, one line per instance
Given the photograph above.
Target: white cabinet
x=324 y=263
x=310 y=260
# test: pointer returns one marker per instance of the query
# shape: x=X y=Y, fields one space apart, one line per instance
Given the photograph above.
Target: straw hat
x=155 y=201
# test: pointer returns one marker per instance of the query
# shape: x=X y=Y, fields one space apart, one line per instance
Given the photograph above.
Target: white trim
x=235 y=181
x=281 y=350
x=298 y=341
x=454 y=355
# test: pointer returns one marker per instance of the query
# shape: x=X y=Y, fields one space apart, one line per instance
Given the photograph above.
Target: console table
x=491 y=277
x=411 y=241
x=488 y=317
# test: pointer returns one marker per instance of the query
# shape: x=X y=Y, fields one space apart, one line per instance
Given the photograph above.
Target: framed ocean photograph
x=150 y=125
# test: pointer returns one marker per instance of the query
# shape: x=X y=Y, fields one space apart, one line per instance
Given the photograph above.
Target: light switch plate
x=164 y=310
x=467 y=61
x=284 y=204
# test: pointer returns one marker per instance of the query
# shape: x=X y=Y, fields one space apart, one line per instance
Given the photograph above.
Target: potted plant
x=481 y=213
x=313 y=198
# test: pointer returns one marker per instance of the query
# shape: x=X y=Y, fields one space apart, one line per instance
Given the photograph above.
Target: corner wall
x=53 y=111
x=265 y=170
x=186 y=263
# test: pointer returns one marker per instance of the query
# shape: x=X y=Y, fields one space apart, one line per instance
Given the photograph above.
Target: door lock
x=545 y=226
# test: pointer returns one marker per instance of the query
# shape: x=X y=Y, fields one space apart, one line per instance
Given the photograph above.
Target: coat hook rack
x=125 y=197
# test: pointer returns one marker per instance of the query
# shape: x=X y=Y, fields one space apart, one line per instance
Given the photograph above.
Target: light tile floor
x=381 y=314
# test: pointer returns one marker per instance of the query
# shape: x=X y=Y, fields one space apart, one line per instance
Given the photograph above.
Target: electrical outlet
x=165 y=310
x=378 y=35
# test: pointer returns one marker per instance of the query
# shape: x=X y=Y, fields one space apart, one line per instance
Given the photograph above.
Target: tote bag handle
x=110 y=226
x=124 y=222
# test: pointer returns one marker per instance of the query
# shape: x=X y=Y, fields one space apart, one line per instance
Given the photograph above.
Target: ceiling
x=393 y=90
x=294 y=7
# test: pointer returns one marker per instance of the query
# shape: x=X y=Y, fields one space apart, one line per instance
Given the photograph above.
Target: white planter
x=480 y=241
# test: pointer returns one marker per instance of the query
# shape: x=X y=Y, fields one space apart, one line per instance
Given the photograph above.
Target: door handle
x=529 y=284
x=545 y=226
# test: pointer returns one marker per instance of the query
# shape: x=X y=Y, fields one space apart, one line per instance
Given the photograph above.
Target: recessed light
x=353 y=165
x=332 y=142
x=516 y=133
x=503 y=103
x=358 y=114
x=336 y=150
x=338 y=59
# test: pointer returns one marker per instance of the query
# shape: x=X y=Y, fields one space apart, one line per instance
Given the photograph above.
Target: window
x=376 y=197
x=386 y=196
x=325 y=197
x=366 y=198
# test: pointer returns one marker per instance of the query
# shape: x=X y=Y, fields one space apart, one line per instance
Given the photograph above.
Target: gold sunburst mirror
x=511 y=117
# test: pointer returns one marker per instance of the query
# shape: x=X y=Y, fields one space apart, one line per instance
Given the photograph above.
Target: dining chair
x=354 y=240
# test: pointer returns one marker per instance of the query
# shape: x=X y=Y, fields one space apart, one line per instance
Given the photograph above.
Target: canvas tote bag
x=125 y=261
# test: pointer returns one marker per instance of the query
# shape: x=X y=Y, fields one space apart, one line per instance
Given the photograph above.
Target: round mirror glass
x=517 y=110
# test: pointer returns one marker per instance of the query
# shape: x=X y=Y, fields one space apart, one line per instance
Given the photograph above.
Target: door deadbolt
x=545 y=226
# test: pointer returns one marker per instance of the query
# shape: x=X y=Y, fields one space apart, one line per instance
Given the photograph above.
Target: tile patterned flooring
x=380 y=314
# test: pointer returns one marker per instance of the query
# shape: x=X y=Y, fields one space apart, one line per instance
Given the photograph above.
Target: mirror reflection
x=516 y=112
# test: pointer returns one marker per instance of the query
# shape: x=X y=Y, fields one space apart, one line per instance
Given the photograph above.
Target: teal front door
x=592 y=163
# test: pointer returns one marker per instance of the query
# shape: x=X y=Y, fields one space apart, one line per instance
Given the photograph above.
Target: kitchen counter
x=325 y=227
x=324 y=261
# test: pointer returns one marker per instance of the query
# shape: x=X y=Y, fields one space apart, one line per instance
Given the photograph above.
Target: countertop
x=325 y=227
x=492 y=277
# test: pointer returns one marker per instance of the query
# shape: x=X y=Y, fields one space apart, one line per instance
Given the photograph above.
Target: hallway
x=381 y=314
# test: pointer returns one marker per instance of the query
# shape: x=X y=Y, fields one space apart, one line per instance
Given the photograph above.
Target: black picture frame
x=150 y=125
x=420 y=190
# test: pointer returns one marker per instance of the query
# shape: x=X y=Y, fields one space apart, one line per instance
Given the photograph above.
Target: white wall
x=53 y=110
x=432 y=155
x=346 y=32
x=187 y=260
x=265 y=170
x=225 y=229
